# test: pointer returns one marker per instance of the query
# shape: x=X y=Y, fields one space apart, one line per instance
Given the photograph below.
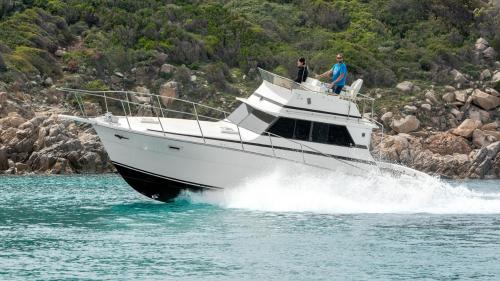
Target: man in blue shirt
x=338 y=72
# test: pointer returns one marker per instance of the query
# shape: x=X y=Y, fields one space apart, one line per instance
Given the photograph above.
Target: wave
x=285 y=190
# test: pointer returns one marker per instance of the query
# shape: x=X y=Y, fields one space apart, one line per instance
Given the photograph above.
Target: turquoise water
x=98 y=228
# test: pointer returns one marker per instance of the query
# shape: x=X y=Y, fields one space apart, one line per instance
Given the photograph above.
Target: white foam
x=286 y=190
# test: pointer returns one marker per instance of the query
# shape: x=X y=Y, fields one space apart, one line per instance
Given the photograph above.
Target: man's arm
x=326 y=74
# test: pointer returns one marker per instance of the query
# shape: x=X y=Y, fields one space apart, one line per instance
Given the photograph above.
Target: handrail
x=102 y=94
x=69 y=90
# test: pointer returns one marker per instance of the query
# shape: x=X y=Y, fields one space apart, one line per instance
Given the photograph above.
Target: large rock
x=426 y=107
x=458 y=76
x=13 y=119
x=481 y=44
x=457 y=113
x=92 y=109
x=405 y=86
x=168 y=92
x=484 y=100
x=386 y=118
x=461 y=96
x=405 y=125
x=492 y=92
x=485 y=74
x=484 y=161
x=489 y=53
x=490 y=126
x=479 y=139
x=447 y=144
x=466 y=128
x=411 y=109
x=449 y=97
x=431 y=97
x=496 y=78
x=493 y=134
x=167 y=68
x=141 y=95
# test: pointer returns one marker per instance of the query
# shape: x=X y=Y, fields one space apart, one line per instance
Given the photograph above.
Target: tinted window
x=283 y=127
x=257 y=121
x=263 y=116
x=339 y=135
x=320 y=132
x=302 y=130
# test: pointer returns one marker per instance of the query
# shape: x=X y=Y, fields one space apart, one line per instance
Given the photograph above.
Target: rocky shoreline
x=452 y=131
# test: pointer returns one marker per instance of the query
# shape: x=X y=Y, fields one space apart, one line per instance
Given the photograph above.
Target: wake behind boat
x=168 y=145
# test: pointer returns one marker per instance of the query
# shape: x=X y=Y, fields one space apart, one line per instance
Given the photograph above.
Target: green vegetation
x=384 y=41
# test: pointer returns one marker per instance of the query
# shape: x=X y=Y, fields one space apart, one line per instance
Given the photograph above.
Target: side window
x=302 y=130
x=320 y=132
x=283 y=127
x=339 y=135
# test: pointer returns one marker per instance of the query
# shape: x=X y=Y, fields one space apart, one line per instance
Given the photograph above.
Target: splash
x=285 y=190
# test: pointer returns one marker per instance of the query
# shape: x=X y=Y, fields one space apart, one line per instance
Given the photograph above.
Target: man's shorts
x=337 y=89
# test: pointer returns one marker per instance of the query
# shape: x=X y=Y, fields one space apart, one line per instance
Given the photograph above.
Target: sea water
x=279 y=226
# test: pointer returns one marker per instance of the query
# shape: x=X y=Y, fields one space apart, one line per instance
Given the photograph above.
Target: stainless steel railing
x=126 y=105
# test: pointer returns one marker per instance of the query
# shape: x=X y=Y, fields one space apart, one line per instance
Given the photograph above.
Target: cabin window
x=320 y=132
x=302 y=130
x=312 y=131
x=251 y=118
x=283 y=127
x=339 y=135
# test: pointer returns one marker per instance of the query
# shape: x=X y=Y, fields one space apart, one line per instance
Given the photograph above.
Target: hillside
x=209 y=51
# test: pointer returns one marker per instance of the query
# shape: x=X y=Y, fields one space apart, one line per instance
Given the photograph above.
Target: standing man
x=302 y=71
x=338 y=72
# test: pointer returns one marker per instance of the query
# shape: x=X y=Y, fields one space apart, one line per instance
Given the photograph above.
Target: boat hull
x=154 y=186
x=160 y=167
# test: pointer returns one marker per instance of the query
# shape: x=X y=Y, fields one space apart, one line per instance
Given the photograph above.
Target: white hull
x=189 y=160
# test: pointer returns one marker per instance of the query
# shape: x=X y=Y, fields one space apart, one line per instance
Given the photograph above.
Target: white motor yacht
x=162 y=145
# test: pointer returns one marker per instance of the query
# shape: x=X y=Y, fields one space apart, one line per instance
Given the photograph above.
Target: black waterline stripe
x=164 y=177
x=275 y=147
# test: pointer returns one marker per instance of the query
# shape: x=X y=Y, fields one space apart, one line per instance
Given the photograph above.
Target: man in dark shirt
x=302 y=71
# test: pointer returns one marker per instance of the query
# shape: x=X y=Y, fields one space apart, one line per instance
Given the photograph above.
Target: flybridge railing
x=124 y=102
x=359 y=99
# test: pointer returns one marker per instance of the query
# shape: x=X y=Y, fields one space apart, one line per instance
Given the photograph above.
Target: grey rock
x=429 y=95
x=410 y=109
x=485 y=74
x=496 y=78
x=426 y=107
x=167 y=68
x=386 y=118
x=466 y=128
x=457 y=113
x=489 y=53
x=449 y=88
x=405 y=86
x=458 y=77
x=449 y=97
x=484 y=100
x=481 y=44
x=405 y=125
